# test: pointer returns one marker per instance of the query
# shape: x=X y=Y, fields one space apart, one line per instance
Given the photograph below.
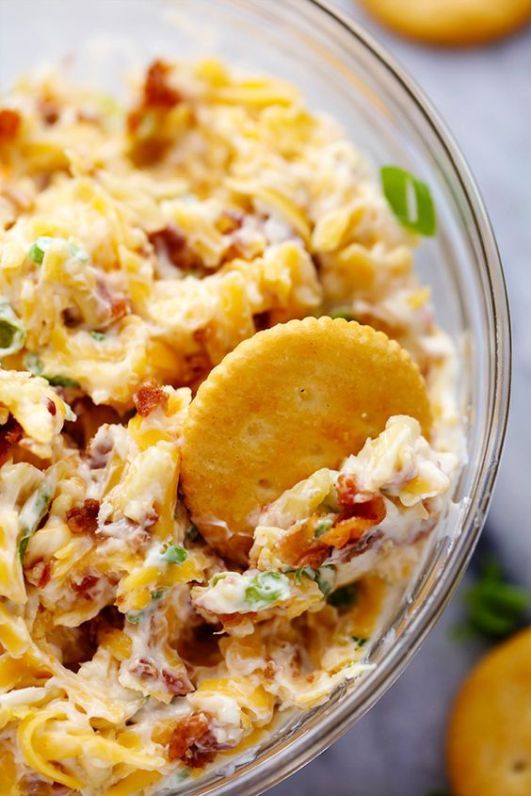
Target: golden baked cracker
x=288 y=401
x=489 y=735
x=452 y=22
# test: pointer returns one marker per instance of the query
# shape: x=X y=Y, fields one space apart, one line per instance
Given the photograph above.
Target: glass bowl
x=343 y=72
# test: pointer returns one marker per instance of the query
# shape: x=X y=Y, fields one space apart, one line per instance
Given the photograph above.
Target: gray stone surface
x=485 y=97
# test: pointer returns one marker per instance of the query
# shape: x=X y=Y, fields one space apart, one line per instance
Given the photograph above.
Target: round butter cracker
x=451 y=22
x=489 y=735
x=288 y=401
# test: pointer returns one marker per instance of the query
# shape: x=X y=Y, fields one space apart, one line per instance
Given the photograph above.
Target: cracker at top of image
x=451 y=22
x=489 y=735
x=289 y=401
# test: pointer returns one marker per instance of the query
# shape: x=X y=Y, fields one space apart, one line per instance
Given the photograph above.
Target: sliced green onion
x=31 y=515
x=326 y=578
x=344 y=597
x=410 y=200
x=359 y=641
x=99 y=336
x=135 y=617
x=12 y=333
x=79 y=253
x=157 y=595
x=217 y=577
x=301 y=572
x=61 y=381
x=33 y=363
x=174 y=554
x=266 y=588
x=343 y=312
x=38 y=249
x=323 y=525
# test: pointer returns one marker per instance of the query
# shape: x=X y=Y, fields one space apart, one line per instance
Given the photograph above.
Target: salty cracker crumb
x=285 y=403
x=452 y=22
x=489 y=734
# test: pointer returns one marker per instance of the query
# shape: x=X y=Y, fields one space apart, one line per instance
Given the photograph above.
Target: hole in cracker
x=519 y=766
x=305 y=394
x=254 y=428
x=264 y=483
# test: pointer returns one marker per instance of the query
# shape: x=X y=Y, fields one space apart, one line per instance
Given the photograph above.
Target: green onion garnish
x=61 y=381
x=33 y=363
x=344 y=597
x=135 y=617
x=343 y=312
x=99 y=336
x=325 y=576
x=323 y=525
x=174 y=554
x=31 y=515
x=217 y=577
x=266 y=588
x=359 y=641
x=12 y=333
x=38 y=249
x=410 y=200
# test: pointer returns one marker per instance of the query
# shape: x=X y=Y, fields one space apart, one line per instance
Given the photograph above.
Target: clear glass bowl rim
x=271 y=767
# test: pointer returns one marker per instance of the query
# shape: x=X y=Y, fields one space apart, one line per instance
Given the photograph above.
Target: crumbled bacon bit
x=72 y=317
x=313 y=557
x=193 y=742
x=84 y=519
x=118 y=306
x=48 y=110
x=148 y=397
x=178 y=685
x=39 y=574
x=51 y=407
x=346 y=490
x=85 y=587
x=300 y=548
x=10 y=433
x=46 y=575
x=144 y=669
x=355 y=521
x=262 y=320
x=204 y=750
x=158 y=90
x=170 y=242
x=363 y=544
x=10 y=121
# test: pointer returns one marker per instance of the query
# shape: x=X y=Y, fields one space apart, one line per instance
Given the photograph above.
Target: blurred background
x=484 y=95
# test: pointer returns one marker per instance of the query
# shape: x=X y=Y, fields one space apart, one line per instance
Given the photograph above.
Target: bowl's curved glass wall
x=342 y=73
